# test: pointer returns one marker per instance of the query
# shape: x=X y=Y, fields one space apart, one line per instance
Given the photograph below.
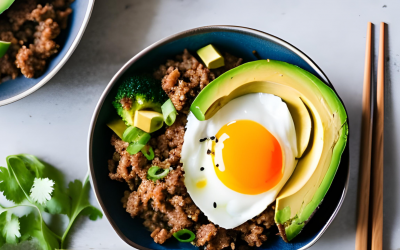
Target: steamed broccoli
x=137 y=93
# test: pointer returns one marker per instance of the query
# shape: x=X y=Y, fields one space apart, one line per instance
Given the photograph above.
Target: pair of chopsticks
x=370 y=189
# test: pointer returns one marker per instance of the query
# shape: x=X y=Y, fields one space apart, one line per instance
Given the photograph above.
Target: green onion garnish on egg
x=184 y=232
x=152 y=173
x=169 y=112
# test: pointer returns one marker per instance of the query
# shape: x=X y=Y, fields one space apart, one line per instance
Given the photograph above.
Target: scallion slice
x=137 y=139
x=4 y=5
x=4 y=47
x=152 y=173
x=178 y=235
x=150 y=155
x=169 y=112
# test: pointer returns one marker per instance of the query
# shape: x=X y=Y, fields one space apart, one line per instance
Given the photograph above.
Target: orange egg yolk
x=251 y=155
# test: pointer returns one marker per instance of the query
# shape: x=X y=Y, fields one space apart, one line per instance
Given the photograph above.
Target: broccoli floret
x=137 y=93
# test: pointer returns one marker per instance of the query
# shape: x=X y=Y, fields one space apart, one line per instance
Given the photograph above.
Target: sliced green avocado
x=316 y=168
x=118 y=126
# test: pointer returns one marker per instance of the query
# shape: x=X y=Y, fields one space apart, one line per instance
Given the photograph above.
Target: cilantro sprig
x=28 y=182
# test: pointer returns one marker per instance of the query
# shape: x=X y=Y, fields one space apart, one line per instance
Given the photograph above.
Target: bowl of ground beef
x=145 y=214
x=43 y=35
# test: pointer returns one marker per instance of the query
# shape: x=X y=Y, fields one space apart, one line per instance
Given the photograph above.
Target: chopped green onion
x=169 y=112
x=178 y=235
x=3 y=48
x=137 y=139
x=4 y=5
x=149 y=156
x=152 y=173
x=130 y=133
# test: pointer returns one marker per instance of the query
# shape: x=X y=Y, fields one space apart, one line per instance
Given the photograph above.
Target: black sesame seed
x=212 y=137
x=215 y=205
x=201 y=169
x=201 y=140
x=217 y=165
x=208 y=151
x=216 y=140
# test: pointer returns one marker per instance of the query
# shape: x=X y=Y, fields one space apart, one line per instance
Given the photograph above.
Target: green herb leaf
x=34 y=226
x=169 y=112
x=9 y=186
x=60 y=202
x=25 y=175
x=15 y=180
x=79 y=194
x=9 y=226
x=41 y=190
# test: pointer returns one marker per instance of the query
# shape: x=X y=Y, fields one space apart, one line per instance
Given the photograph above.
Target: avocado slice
x=211 y=57
x=148 y=120
x=317 y=167
x=118 y=126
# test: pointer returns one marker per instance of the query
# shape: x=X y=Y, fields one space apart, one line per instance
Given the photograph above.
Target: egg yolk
x=251 y=157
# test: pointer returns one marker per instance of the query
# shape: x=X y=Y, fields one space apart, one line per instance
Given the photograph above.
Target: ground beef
x=164 y=205
x=205 y=233
x=32 y=27
x=168 y=146
x=183 y=78
x=222 y=239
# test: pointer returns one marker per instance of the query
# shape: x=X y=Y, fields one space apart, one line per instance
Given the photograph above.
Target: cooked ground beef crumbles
x=164 y=205
x=32 y=27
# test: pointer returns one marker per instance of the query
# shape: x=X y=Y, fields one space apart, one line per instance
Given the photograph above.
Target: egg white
x=233 y=208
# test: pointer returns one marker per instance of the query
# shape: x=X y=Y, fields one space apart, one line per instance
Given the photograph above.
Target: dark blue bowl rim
x=59 y=65
x=210 y=28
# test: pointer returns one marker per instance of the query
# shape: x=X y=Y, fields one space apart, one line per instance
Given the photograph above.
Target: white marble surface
x=53 y=122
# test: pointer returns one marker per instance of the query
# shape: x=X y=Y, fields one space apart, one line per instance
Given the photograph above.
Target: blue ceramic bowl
x=235 y=40
x=13 y=90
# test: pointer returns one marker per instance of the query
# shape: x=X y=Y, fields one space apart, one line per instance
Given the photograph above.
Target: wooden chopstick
x=377 y=150
x=365 y=152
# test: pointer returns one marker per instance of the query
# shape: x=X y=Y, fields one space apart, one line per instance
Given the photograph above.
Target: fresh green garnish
x=4 y=5
x=138 y=92
x=28 y=182
x=41 y=190
x=184 y=232
x=137 y=138
x=149 y=156
x=130 y=133
x=155 y=173
x=3 y=48
x=169 y=112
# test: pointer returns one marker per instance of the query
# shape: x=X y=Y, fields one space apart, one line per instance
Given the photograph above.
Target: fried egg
x=237 y=161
